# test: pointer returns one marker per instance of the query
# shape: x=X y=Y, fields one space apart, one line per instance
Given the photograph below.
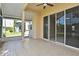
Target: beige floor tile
x=35 y=47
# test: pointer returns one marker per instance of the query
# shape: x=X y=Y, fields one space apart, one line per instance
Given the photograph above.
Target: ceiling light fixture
x=45 y=4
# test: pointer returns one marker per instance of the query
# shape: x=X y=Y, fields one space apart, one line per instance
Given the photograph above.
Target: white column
x=23 y=17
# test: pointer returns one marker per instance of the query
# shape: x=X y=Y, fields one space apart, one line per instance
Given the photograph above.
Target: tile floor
x=35 y=47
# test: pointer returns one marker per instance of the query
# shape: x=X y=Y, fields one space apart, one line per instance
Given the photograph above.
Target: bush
x=9 y=29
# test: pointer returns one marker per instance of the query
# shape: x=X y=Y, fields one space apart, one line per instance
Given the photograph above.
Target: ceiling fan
x=45 y=4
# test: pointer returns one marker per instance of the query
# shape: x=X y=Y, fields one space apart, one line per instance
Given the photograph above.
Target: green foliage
x=10 y=29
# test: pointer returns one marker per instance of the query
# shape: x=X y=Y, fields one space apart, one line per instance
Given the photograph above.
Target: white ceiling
x=14 y=10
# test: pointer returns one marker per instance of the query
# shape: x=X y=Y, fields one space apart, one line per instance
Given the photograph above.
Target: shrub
x=9 y=29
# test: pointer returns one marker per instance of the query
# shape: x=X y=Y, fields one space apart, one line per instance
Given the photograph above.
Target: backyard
x=12 y=27
x=11 y=34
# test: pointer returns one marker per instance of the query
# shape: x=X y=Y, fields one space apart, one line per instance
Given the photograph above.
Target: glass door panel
x=72 y=27
x=45 y=28
x=52 y=27
x=60 y=27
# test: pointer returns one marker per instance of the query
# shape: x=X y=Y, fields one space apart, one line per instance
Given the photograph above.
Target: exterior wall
x=39 y=20
x=38 y=17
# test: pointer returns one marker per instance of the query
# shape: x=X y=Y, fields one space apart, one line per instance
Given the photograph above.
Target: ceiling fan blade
x=40 y=4
x=50 y=4
x=44 y=7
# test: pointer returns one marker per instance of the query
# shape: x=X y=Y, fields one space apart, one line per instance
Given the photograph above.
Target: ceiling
x=12 y=9
x=15 y=9
x=33 y=7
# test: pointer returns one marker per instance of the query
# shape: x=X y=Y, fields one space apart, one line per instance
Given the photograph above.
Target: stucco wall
x=36 y=23
x=38 y=18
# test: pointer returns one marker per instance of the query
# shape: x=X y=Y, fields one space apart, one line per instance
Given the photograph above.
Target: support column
x=23 y=17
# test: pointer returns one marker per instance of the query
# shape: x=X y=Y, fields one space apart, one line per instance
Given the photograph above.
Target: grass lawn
x=11 y=34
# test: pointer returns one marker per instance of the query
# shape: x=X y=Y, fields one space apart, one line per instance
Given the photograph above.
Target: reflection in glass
x=72 y=27
x=52 y=27
x=60 y=27
x=45 y=28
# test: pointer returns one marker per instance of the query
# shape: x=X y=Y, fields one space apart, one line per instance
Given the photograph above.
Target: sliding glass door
x=45 y=27
x=72 y=27
x=60 y=27
x=66 y=27
x=52 y=27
